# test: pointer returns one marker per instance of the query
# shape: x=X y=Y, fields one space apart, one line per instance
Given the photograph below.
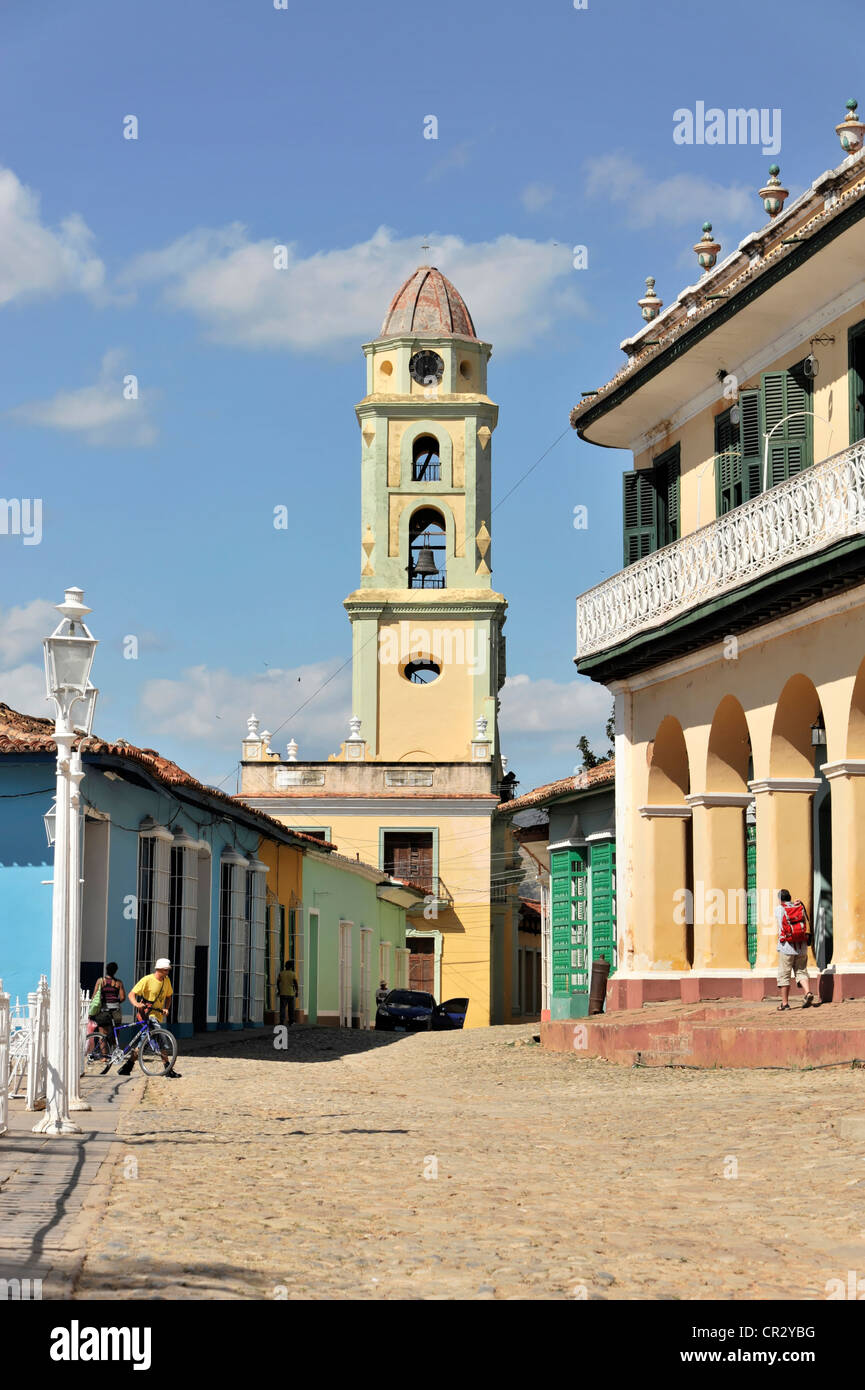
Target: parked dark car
x=413 y=1011
x=405 y=1010
x=450 y=1014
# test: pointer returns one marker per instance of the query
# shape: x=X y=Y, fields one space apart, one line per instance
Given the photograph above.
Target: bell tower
x=427 y=643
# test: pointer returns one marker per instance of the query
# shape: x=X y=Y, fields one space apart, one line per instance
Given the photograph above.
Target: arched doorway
x=803 y=833
x=669 y=930
x=725 y=836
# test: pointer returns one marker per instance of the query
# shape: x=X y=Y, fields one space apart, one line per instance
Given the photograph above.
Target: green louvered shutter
x=750 y=444
x=666 y=470
x=569 y=922
x=857 y=383
x=640 y=526
x=785 y=395
x=751 y=885
x=728 y=463
x=603 y=864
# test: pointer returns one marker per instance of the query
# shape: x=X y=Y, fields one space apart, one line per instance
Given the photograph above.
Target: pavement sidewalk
x=51 y=1190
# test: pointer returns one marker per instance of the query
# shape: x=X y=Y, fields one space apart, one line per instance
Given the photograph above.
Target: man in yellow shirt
x=151 y=998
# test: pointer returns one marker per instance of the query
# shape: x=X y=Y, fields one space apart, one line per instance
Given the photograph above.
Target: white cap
x=162 y=964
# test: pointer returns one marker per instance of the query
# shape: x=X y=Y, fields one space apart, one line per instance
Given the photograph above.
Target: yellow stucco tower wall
x=414 y=786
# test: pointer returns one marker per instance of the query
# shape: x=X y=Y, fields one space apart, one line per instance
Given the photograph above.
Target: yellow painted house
x=733 y=638
x=414 y=786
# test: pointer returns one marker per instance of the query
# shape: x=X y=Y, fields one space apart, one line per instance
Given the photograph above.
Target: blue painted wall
x=26 y=792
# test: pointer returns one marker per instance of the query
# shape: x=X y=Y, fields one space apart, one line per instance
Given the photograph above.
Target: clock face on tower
x=426 y=367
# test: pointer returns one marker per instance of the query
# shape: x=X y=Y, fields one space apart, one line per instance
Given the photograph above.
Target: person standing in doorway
x=794 y=938
x=286 y=984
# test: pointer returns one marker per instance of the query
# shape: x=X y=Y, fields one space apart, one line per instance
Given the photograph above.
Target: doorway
x=421 y=963
x=822 y=899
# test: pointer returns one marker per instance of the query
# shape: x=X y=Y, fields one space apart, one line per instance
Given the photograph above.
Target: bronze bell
x=425 y=563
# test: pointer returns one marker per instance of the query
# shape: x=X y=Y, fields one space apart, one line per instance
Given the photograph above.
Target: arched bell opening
x=427 y=550
x=426 y=464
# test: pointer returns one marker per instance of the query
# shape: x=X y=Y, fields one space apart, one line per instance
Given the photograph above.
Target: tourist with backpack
x=794 y=938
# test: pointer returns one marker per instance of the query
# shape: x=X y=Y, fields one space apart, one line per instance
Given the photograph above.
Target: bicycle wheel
x=97 y=1055
x=151 y=1048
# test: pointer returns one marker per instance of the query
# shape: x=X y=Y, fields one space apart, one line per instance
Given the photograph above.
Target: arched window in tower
x=426 y=464
x=427 y=542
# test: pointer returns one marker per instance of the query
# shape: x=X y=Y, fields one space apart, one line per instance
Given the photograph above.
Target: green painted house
x=568 y=829
x=354 y=936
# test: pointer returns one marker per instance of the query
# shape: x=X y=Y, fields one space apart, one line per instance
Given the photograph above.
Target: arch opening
x=427 y=549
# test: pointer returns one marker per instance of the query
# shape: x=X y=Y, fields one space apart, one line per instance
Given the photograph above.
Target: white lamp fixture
x=69 y=651
x=50 y=819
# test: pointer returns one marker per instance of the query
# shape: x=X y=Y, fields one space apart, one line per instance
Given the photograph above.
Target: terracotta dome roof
x=428 y=305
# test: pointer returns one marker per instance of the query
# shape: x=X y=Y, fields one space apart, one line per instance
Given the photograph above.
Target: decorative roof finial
x=252 y=727
x=707 y=249
x=650 y=304
x=354 y=728
x=851 y=131
x=773 y=194
x=291 y=752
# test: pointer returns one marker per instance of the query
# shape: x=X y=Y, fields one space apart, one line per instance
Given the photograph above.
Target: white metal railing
x=4 y=1059
x=798 y=517
x=37 y=1044
x=19 y=1043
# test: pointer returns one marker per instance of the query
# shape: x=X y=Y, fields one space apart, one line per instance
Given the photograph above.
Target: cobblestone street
x=300 y=1173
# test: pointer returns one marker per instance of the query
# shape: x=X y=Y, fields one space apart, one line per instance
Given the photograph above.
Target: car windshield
x=411 y=997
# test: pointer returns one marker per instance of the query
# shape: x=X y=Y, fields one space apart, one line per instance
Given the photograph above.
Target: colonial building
x=568 y=829
x=414 y=787
x=174 y=868
x=734 y=636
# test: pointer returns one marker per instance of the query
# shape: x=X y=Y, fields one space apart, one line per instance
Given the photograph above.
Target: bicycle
x=154 y=1044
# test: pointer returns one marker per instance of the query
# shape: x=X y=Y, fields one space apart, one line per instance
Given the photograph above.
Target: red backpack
x=794 y=927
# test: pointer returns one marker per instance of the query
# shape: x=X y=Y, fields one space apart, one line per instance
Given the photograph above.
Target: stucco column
x=660 y=922
x=720 y=905
x=785 y=852
x=847 y=780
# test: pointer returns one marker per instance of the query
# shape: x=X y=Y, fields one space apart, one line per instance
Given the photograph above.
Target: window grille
x=152 y=917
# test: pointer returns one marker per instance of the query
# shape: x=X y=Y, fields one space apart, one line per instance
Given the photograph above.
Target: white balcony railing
x=799 y=517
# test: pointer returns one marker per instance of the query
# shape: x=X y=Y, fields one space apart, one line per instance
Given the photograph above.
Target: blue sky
x=304 y=127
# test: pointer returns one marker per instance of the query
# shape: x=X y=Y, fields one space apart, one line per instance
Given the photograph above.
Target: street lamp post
x=68 y=660
x=76 y=822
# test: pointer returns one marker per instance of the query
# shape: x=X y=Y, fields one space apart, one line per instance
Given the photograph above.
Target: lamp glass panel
x=71 y=659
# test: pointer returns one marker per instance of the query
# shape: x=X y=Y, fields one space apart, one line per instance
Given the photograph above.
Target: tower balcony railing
x=798 y=517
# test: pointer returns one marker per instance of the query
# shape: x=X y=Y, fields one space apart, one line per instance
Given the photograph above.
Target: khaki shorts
x=793 y=965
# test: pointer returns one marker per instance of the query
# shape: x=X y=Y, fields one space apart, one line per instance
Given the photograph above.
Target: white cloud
x=101 y=414
x=213 y=706
x=22 y=629
x=516 y=288
x=22 y=683
x=682 y=199
x=536 y=196
x=546 y=706
x=34 y=259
